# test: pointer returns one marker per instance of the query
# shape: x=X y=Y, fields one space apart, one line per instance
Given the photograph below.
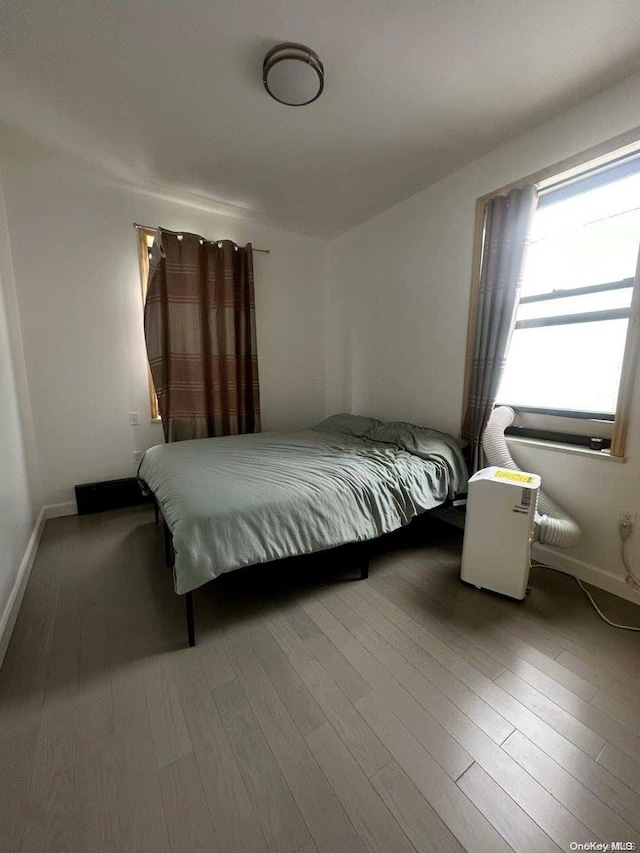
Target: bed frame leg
x=191 y=631
x=169 y=556
x=362 y=553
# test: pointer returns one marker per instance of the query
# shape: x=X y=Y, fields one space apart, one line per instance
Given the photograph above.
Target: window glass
x=568 y=362
x=574 y=367
x=579 y=255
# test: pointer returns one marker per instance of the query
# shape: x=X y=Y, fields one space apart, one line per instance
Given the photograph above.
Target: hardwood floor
x=317 y=712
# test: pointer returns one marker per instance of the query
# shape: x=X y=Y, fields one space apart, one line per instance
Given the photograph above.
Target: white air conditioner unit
x=499 y=529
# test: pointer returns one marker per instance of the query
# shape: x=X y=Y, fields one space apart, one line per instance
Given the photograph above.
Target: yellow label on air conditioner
x=514 y=475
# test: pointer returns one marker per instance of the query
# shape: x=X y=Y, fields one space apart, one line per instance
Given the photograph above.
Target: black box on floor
x=109 y=494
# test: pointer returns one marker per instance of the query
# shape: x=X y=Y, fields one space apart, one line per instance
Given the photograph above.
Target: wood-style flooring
x=317 y=712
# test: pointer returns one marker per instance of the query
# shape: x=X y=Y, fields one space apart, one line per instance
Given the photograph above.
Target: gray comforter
x=239 y=500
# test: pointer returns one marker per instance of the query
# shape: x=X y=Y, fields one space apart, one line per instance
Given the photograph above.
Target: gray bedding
x=240 y=500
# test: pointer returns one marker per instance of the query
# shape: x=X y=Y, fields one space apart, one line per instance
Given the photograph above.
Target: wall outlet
x=137 y=456
x=134 y=418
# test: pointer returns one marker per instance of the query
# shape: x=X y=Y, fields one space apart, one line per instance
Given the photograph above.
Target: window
x=570 y=361
x=145 y=242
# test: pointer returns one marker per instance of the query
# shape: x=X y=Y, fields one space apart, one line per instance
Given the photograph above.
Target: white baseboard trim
x=601 y=578
x=10 y=614
x=58 y=510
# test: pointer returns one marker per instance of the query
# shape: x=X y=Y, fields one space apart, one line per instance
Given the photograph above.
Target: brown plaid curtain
x=200 y=329
x=507 y=223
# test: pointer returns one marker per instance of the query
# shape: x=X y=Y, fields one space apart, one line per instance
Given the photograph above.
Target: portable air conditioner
x=498 y=531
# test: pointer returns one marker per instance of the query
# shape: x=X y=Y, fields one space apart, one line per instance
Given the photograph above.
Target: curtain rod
x=151 y=228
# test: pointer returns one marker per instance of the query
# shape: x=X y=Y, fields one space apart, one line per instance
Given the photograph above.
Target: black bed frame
x=169 y=555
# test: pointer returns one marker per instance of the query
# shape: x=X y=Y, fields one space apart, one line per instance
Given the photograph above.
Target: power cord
x=625 y=530
x=600 y=613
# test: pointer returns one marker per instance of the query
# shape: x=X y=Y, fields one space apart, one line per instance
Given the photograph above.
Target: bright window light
x=567 y=349
x=573 y=368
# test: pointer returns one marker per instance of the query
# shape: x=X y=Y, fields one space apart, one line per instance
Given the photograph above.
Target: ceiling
x=169 y=93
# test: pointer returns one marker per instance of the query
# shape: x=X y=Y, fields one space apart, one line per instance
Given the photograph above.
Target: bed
x=244 y=500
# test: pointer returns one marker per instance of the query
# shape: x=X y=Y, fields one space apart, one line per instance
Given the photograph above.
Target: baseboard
x=586 y=572
x=58 y=510
x=8 y=620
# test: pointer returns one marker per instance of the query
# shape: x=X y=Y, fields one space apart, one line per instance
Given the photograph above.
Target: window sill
x=556 y=447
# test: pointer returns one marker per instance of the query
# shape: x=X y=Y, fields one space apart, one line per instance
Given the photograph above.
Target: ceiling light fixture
x=293 y=74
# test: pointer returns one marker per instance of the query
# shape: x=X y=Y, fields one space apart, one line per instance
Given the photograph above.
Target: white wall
x=398 y=301
x=19 y=488
x=76 y=266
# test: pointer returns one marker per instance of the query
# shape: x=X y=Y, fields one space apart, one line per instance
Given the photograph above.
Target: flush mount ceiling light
x=293 y=74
